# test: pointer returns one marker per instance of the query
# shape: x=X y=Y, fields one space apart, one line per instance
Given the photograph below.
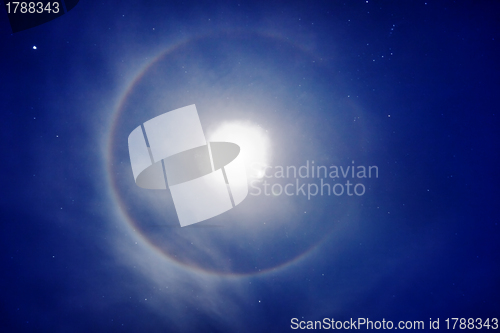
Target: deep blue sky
x=411 y=87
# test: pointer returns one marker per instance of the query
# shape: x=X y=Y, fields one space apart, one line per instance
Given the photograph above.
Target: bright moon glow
x=253 y=141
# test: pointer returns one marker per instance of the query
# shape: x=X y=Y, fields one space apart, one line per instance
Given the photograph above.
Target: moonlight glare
x=252 y=139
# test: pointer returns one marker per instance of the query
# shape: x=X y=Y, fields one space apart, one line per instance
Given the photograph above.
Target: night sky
x=411 y=87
